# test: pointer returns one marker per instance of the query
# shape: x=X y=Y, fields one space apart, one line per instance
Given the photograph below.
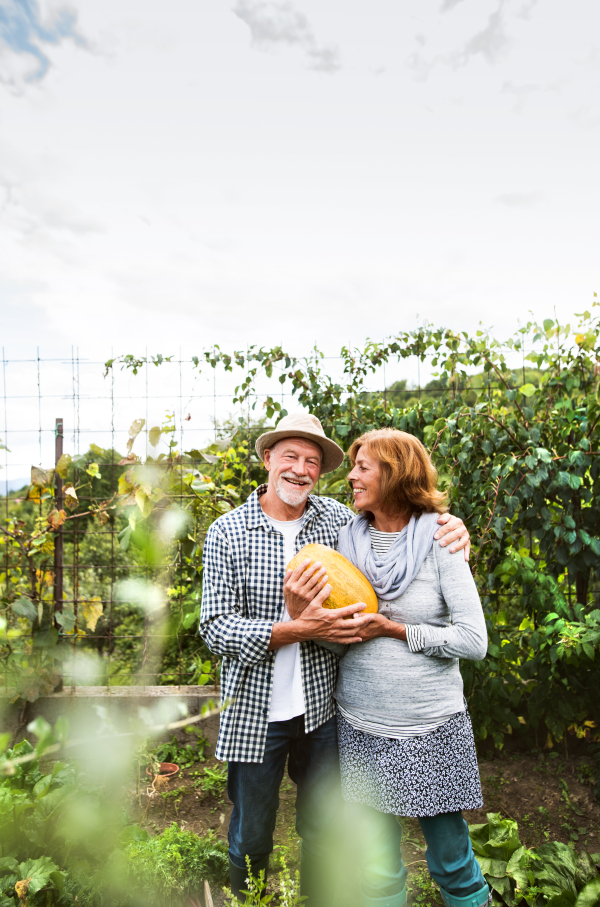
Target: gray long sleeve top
x=383 y=681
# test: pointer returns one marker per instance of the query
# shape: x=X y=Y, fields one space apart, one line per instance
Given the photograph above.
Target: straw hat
x=303 y=425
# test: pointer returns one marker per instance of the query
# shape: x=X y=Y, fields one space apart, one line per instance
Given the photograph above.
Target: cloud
x=40 y=222
x=275 y=23
x=522 y=93
x=525 y=11
x=491 y=42
x=447 y=5
x=23 y=35
x=585 y=116
x=519 y=199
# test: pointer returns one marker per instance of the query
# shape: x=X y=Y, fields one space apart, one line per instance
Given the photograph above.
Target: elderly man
x=278 y=673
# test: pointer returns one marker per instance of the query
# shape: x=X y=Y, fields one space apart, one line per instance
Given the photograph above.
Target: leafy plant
x=206 y=671
x=513 y=429
x=31 y=882
x=588 y=897
x=552 y=870
x=424 y=890
x=256 y=896
x=32 y=804
x=176 y=794
x=183 y=755
x=173 y=863
x=32 y=840
x=512 y=426
x=213 y=781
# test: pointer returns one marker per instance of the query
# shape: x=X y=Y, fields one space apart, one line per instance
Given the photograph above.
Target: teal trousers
x=375 y=844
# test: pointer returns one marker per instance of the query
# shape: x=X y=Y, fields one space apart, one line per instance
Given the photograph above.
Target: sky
x=177 y=175
x=174 y=176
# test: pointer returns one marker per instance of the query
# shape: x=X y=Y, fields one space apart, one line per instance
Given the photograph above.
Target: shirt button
x=281 y=544
x=265 y=711
x=281 y=574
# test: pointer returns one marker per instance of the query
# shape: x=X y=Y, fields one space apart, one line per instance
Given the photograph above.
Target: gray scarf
x=391 y=573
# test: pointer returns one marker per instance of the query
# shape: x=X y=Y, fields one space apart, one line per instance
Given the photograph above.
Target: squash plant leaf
x=590 y=896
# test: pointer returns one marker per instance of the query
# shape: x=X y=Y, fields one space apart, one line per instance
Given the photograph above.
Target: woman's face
x=365 y=479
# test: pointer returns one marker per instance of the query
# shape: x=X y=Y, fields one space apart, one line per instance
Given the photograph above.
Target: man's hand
x=333 y=624
x=316 y=622
x=454 y=530
x=302 y=585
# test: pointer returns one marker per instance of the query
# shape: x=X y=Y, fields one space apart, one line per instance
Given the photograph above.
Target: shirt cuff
x=414 y=638
x=255 y=645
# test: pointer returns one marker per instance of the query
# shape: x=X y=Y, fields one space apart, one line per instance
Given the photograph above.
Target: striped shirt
x=242 y=597
x=380 y=543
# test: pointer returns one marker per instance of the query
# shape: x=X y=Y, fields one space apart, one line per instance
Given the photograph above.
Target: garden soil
x=550 y=796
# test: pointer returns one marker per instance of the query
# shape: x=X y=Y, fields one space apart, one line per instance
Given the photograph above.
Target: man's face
x=294 y=465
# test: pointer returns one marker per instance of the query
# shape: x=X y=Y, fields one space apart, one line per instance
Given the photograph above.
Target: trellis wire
x=51 y=404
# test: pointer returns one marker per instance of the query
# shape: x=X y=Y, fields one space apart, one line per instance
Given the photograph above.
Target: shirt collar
x=256 y=516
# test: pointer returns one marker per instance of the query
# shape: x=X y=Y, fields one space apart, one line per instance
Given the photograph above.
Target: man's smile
x=293 y=489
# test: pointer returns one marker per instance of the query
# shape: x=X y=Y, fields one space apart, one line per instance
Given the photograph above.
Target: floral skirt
x=415 y=776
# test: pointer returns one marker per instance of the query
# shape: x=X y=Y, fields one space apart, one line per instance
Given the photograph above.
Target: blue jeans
x=377 y=838
x=253 y=788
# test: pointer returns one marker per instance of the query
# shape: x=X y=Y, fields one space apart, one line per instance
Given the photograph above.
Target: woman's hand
x=302 y=585
x=381 y=626
x=454 y=530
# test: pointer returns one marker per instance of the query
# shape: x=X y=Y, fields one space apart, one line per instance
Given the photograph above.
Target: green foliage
x=537 y=675
x=33 y=882
x=551 y=871
x=256 y=896
x=174 y=863
x=513 y=428
x=182 y=755
x=589 y=897
x=32 y=803
x=32 y=841
x=213 y=781
x=30 y=651
x=62 y=840
x=423 y=889
x=58 y=842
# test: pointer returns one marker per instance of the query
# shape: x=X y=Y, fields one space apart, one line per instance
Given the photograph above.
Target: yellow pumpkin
x=348 y=584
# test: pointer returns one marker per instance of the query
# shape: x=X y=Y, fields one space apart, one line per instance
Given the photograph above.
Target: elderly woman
x=405 y=736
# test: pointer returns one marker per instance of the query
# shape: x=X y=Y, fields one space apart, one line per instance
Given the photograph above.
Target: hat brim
x=333 y=455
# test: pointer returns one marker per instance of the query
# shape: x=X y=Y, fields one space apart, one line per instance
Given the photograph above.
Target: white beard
x=290 y=495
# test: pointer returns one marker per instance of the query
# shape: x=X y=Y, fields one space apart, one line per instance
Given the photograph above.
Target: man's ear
x=267 y=459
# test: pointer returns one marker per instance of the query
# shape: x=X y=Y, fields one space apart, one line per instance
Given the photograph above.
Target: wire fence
x=53 y=406
x=98 y=405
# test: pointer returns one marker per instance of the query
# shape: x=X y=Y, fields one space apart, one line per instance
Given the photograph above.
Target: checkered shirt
x=242 y=597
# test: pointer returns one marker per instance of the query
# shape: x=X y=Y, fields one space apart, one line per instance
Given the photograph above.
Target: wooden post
x=208 y=901
x=58 y=537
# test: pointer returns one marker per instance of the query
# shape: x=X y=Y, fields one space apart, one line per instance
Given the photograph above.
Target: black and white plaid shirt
x=242 y=597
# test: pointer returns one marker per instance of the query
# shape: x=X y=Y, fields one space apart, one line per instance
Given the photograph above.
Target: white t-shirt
x=287 y=699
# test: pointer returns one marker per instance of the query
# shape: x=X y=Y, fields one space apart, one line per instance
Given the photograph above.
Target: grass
x=496 y=783
x=425 y=892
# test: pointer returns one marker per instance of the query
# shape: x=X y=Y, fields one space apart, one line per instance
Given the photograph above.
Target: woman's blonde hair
x=408 y=477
